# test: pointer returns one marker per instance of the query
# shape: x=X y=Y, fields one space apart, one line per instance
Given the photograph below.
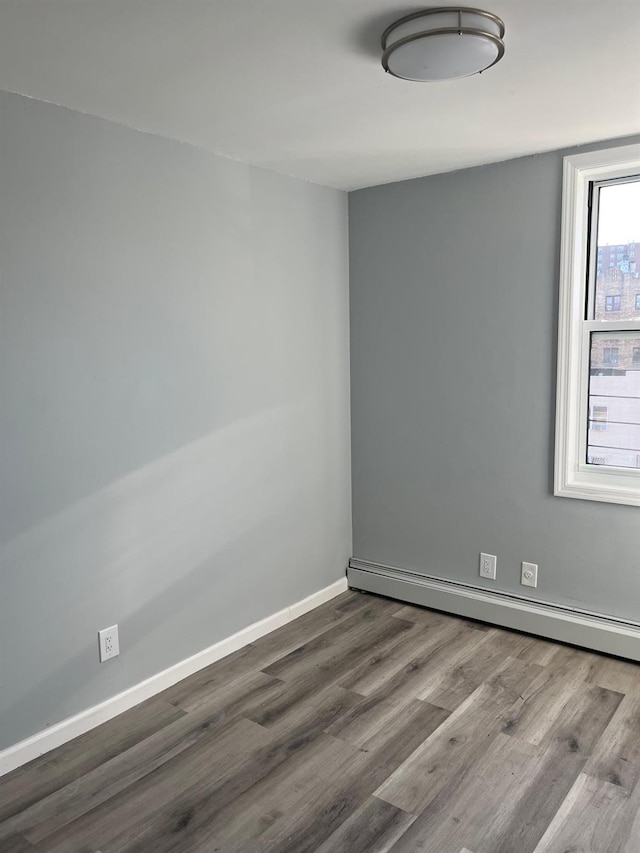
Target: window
x=598 y=419
x=598 y=387
x=612 y=303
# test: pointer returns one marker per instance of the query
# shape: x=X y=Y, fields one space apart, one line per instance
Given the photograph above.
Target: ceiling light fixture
x=443 y=43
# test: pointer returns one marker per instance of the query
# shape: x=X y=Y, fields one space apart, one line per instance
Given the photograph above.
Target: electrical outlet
x=529 y=576
x=108 y=643
x=488 y=566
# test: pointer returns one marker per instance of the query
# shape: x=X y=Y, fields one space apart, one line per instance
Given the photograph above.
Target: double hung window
x=598 y=392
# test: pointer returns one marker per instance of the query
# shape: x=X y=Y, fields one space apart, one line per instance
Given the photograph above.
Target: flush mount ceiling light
x=442 y=44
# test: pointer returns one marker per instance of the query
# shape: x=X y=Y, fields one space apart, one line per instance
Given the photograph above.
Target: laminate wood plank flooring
x=608 y=828
x=73 y=760
x=365 y=726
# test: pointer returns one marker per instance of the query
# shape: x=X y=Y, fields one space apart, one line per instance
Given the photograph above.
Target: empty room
x=319 y=427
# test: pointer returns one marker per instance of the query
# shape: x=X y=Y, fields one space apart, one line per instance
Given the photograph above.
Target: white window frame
x=574 y=478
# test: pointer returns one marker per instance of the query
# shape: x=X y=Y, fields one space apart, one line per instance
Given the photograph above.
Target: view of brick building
x=621 y=257
x=614 y=385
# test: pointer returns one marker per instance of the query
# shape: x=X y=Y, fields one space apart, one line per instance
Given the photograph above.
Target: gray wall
x=454 y=292
x=174 y=426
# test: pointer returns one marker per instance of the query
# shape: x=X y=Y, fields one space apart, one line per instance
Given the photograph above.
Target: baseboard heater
x=555 y=622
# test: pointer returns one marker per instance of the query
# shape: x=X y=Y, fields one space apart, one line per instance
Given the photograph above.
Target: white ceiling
x=297 y=86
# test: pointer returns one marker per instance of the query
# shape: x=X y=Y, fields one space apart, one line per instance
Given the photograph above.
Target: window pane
x=617 y=277
x=614 y=400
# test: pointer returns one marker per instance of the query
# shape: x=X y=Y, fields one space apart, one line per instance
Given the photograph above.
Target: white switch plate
x=529 y=575
x=488 y=566
x=108 y=643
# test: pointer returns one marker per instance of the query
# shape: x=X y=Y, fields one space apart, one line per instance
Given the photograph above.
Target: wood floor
x=364 y=726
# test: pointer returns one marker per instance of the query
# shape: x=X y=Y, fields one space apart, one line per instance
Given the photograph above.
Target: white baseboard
x=64 y=731
x=556 y=622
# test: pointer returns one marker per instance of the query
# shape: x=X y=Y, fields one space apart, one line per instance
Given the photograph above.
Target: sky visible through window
x=619 y=219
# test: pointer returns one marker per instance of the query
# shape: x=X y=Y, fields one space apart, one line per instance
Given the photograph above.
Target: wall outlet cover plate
x=529 y=575
x=108 y=643
x=488 y=566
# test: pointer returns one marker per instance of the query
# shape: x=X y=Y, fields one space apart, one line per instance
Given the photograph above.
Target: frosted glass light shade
x=442 y=44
